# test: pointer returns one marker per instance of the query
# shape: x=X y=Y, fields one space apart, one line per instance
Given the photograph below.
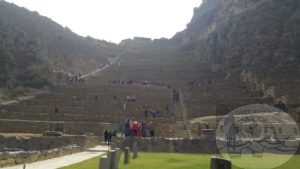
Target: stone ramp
x=65 y=160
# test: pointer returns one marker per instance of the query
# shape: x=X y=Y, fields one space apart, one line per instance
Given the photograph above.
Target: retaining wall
x=37 y=127
x=179 y=145
x=37 y=147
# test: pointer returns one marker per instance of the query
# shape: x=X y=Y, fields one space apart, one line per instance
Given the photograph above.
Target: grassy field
x=183 y=161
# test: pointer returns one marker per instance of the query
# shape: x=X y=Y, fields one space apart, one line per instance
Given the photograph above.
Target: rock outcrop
x=249 y=35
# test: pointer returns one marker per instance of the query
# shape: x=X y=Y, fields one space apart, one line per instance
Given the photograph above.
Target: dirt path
x=94 y=72
x=65 y=160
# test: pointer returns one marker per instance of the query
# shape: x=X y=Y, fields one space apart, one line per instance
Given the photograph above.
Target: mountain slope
x=31 y=44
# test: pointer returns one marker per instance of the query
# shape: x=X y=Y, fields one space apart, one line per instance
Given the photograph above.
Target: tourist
x=56 y=110
x=131 y=128
x=144 y=129
x=96 y=97
x=140 y=131
x=105 y=136
x=154 y=112
x=146 y=114
x=114 y=134
x=175 y=97
x=126 y=128
x=109 y=138
x=135 y=128
x=152 y=133
x=151 y=129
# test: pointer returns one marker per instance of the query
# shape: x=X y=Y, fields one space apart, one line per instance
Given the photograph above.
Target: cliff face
x=244 y=35
x=30 y=43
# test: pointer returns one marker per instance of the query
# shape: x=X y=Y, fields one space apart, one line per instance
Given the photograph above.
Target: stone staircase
x=181 y=128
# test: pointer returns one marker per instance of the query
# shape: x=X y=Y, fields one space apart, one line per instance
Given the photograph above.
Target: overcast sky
x=115 y=20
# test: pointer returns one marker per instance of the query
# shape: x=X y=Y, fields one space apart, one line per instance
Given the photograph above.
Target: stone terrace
x=85 y=114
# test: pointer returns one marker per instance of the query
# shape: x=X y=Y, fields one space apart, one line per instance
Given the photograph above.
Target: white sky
x=115 y=20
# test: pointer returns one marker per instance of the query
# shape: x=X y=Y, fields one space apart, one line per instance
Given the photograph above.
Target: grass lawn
x=181 y=161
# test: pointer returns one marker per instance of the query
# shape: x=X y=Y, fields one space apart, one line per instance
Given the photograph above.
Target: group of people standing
x=133 y=128
x=153 y=113
x=76 y=79
x=175 y=95
x=199 y=83
x=109 y=135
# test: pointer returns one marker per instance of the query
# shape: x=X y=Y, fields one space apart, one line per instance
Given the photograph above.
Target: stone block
x=135 y=150
x=5 y=156
x=33 y=157
x=115 y=159
x=126 y=155
x=19 y=160
x=103 y=163
x=118 y=151
x=2 y=163
x=10 y=161
x=219 y=163
x=110 y=158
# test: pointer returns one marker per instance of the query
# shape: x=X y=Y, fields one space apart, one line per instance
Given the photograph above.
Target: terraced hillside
x=90 y=107
x=203 y=92
x=233 y=53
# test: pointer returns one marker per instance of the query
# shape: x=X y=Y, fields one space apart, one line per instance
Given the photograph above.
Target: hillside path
x=64 y=160
x=94 y=72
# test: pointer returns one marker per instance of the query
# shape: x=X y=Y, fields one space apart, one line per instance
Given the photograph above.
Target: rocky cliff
x=249 y=35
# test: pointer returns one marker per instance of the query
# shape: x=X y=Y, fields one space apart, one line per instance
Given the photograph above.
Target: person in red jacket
x=135 y=128
x=140 y=132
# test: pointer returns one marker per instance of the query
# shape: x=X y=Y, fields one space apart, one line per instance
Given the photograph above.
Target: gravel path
x=65 y=160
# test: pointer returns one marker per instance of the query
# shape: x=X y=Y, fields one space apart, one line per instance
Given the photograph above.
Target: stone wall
x=165 y=129
x=168 y=145
x=162 y=128
x=175 y=145
x=36 y=147
x=37 y=127
x=10 y=159
x=33 y=143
